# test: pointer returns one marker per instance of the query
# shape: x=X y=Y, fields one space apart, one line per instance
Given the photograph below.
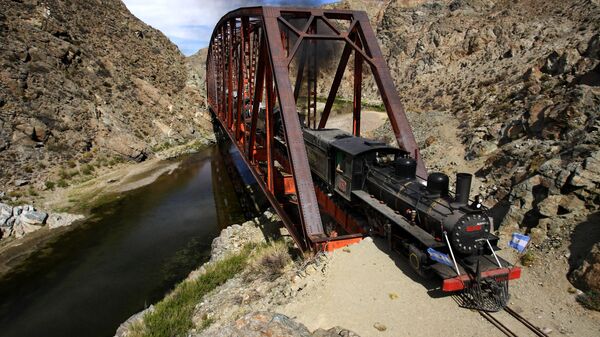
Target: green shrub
x=528 y=259
x=62 y=183
x=590 y=300
x=87 y=169
x=50 y=185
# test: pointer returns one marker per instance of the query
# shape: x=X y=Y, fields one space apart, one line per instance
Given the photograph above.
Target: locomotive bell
x=437 y=184
x=406 y=168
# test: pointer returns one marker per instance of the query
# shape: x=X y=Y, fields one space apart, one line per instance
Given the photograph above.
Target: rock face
x=261 y=324
x=258 y=324
x=21 y=220
x=56 y=220
x=587 y=276
x=86 y=80
x=523 y=83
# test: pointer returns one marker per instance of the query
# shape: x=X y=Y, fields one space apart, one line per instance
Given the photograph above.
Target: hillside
x=515 y=85
x=85 y=84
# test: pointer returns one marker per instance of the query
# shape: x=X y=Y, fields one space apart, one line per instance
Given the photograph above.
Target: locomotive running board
x=416 y=231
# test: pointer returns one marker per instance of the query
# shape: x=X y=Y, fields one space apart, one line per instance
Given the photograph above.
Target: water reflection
x=128 y=255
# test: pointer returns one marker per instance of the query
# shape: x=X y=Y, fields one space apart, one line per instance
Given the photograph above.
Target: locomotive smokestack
x=463 y=187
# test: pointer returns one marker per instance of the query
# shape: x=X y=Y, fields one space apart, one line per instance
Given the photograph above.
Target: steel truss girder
x=248 y=45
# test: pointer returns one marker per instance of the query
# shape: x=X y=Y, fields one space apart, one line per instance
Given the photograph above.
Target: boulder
x=126 y=145
x=533 y=74
x=557 y=64
x=259 y=324
x=535 y=118
x=588 y=174
x=28 y=221
x=21 y=182
x=538 y=235
x=480 y=148
x=334 y=332
x=593 y=47
x=21 y=228
x=552 y=226
x=32 y=217
x=549 y=206
x=512 y=220
x=587 y=276
x=56 y=220
x=5 y=211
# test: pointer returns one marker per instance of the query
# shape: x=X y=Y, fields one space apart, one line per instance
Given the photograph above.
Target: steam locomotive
x=419 y=217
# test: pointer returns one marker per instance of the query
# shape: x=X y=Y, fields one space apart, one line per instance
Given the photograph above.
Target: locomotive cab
x=339 y=158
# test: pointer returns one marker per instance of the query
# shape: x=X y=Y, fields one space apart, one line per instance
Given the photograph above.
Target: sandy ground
x=370 y=120
x=366 y=286
x=359 y=289
x=547 y=298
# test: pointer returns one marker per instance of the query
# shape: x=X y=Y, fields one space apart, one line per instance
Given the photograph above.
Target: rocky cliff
x=84 y=84
x=522 y=80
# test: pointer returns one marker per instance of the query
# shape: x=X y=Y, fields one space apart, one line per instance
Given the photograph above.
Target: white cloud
x=189 y=23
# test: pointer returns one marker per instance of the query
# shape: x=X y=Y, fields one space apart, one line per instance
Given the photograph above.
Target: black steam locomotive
x=442 y=234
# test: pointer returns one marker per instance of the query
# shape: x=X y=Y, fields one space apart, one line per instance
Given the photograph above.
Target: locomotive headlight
x=478 y=202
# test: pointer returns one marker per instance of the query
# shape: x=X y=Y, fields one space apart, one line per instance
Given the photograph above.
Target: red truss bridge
x=264 y=71
x=273 y=79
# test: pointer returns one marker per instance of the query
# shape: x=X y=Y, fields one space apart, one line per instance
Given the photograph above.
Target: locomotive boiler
x=442 y=233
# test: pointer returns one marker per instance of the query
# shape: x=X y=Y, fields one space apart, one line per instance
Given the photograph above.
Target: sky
x=189 y=23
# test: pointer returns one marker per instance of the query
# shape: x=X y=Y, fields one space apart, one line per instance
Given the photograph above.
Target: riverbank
x=253 y=269
x=108 y=184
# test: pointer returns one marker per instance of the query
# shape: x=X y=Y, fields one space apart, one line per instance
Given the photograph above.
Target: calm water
x=126 y=257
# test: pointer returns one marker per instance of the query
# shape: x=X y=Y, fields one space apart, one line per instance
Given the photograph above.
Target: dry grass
x=172 y=316
x=269 y=262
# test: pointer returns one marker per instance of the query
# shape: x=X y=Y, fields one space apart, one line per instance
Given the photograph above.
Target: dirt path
x=366 y=286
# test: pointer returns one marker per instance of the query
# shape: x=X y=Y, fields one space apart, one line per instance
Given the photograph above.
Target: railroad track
x=502 y=327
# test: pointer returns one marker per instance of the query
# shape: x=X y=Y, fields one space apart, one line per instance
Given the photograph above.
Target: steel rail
x=525 y=322
x=505 y=330
x=502 y=327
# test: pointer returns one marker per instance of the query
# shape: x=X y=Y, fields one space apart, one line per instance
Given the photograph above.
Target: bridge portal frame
x=250 y=51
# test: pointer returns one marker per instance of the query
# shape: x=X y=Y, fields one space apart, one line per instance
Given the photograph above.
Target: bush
x=63 y=174
x=528 y=259
x=269 y=262
x=62 y=183
x=50 y=185
x=590 y=300
x=87 y=169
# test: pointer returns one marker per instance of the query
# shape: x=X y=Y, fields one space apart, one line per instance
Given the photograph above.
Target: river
x=128 y=255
